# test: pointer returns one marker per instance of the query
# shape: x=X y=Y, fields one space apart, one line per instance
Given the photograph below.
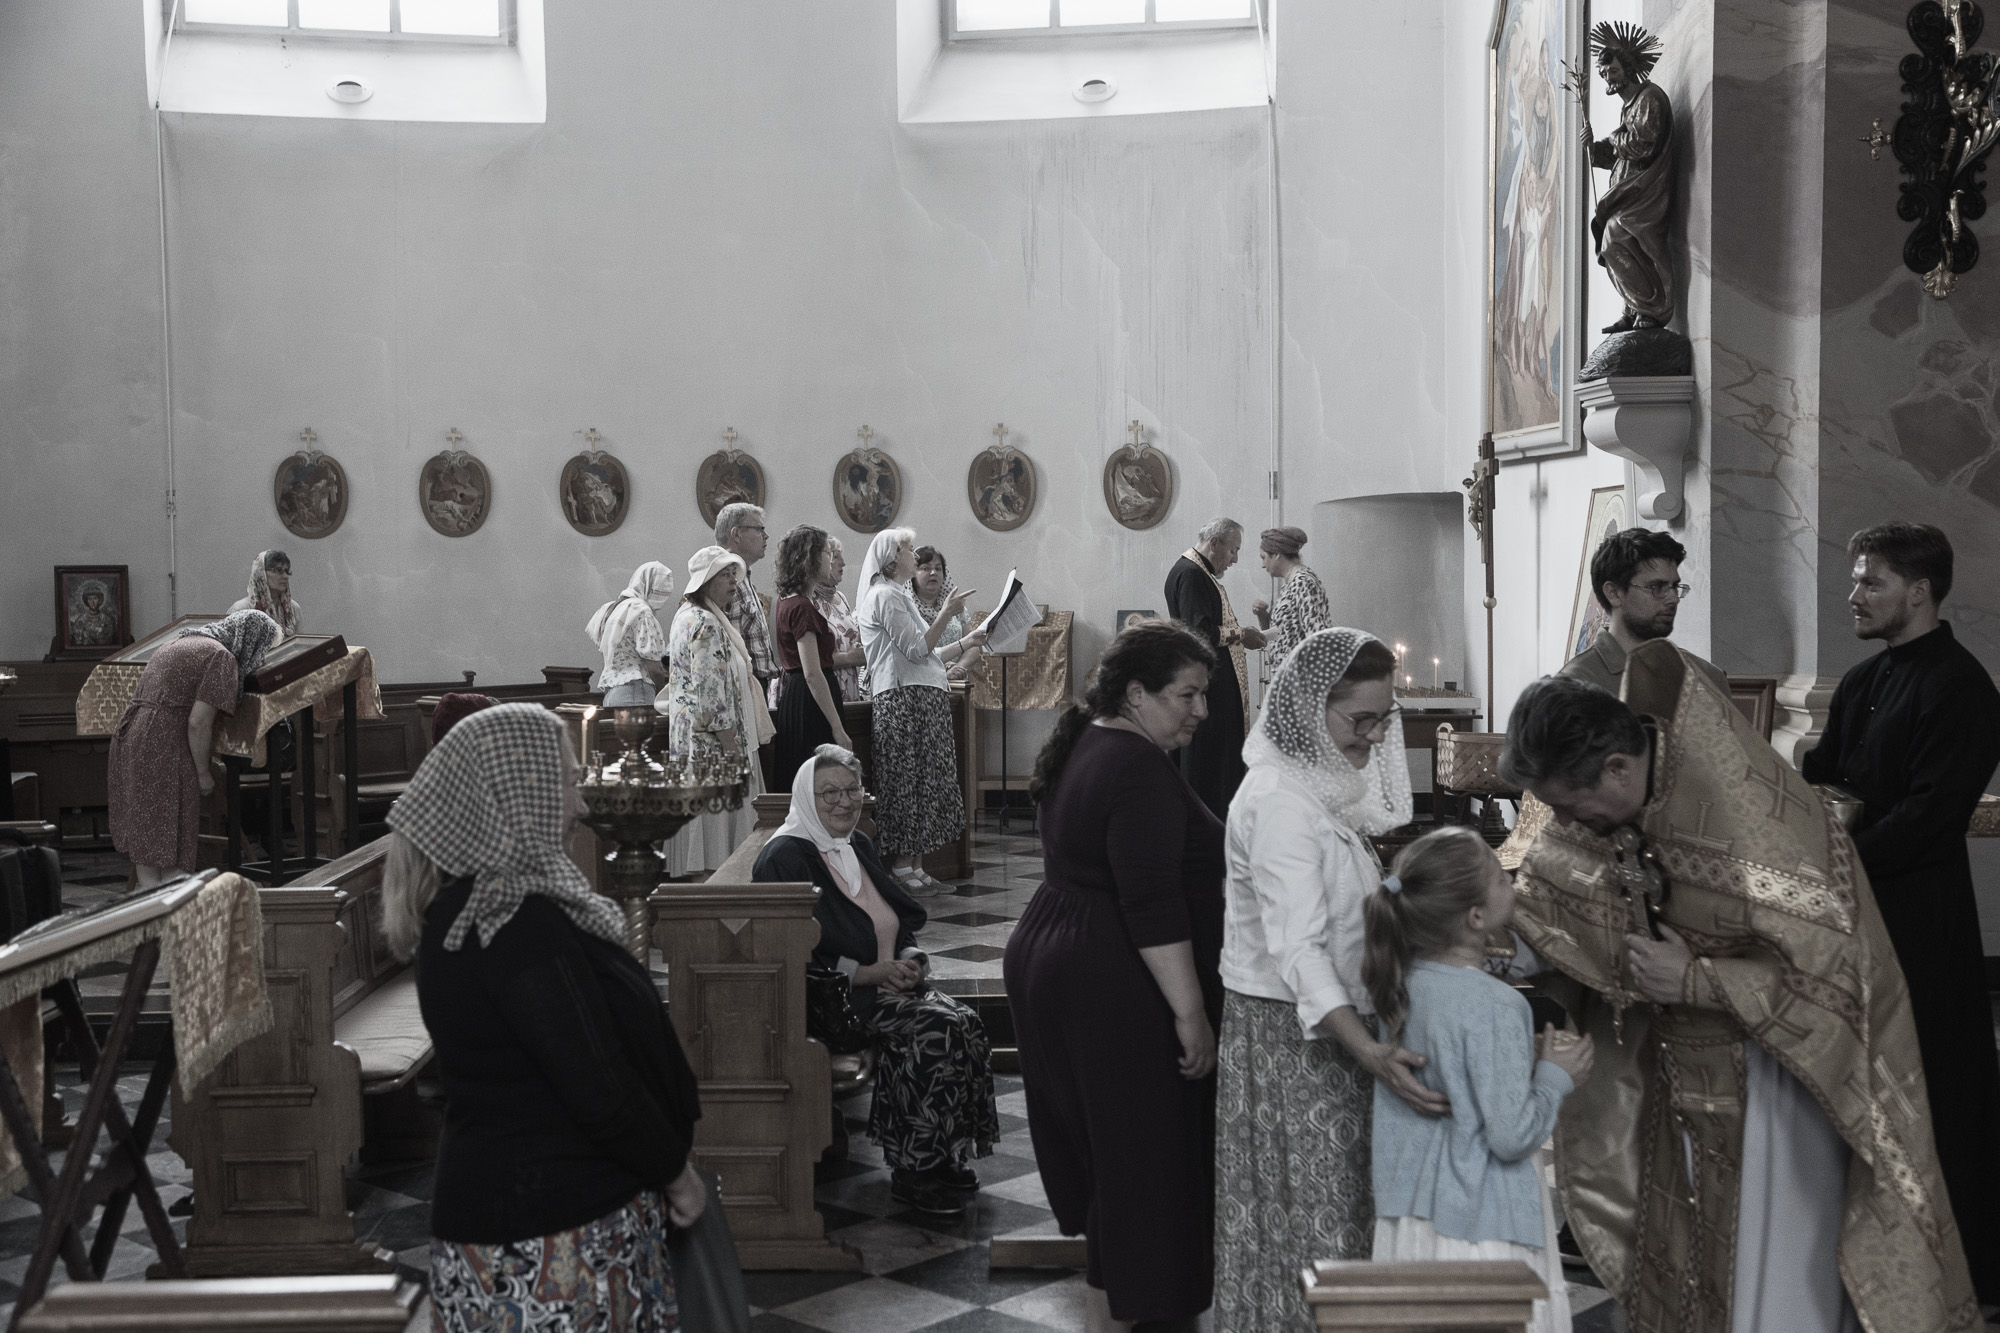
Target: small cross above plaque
x=590 y=436
x=310 y=437
x=1134 y=428
x=453 y=437
x=729 y=434
x=1000 y=431
x=866 y=435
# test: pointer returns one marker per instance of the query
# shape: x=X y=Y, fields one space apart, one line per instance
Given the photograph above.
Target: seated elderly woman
x=569 y=1107
x=933 y=1106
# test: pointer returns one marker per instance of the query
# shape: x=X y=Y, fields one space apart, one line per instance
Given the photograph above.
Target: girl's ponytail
x=1385 y=960
x=1417 y=910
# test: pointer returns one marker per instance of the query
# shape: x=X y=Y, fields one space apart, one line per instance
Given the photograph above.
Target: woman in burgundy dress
x=157 y=771
x=1113 y=978
x=809 y=713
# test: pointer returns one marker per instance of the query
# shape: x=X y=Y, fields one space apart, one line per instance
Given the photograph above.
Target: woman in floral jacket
x=716 y=717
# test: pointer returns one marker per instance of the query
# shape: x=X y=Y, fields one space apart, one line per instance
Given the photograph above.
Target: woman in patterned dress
x=570 y=1109
x=932 y=587
x=157 y=771
x=1302 y=606
x=919 y=805
x=716 y=717
x=934 y=1107
x=850 y=663
x=1298 y=1057
x=627 y=632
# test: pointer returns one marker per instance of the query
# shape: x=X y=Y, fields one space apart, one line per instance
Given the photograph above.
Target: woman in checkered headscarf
x=571 y=1107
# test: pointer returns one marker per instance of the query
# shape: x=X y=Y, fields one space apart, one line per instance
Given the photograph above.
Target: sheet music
x=1007 y=628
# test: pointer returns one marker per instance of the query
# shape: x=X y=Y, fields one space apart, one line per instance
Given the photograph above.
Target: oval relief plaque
x=454 y=492
x=1001 y=486
x=1138 y=486
x=310 y=491
x=594 y=493
x=727 y=477
x=867 y=489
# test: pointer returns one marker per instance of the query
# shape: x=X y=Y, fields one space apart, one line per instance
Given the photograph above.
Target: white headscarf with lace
x=1291 y=735
x=650 y=592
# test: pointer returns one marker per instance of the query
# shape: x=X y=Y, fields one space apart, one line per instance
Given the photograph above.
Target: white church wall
x=720 y=224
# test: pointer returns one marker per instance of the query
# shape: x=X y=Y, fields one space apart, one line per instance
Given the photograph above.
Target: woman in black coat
x=570 y=1108
x=933 y=1107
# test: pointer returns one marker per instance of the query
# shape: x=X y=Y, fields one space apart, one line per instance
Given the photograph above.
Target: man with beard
x=1753 y=1151
x=1914 y=731
x=1636 y=577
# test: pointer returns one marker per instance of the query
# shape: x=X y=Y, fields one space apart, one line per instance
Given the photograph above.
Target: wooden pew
x=38 y=719
x=736 y=968
x=373 y=1304
x=1482 y=1296
x=269 y=1135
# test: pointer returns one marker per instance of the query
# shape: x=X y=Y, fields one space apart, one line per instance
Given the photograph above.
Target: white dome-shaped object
x=1095 y=89
x=350 y=91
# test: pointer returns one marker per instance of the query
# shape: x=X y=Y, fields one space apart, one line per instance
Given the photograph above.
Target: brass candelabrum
x=634 y=802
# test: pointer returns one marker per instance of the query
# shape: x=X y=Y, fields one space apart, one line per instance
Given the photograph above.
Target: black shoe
x=958 y=1176
x=925 y=1193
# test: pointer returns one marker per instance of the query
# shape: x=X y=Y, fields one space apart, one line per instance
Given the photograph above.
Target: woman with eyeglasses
x=1298 y=1053
x=934 y=1108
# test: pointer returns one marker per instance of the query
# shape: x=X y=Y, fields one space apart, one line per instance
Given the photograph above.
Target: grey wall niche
x=1394 y=565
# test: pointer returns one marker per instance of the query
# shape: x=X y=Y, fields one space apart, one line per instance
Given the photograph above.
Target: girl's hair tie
x=1392 y=884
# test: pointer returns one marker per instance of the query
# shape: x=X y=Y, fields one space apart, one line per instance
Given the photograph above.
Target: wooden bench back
x=363 y=963
x=330 y=1304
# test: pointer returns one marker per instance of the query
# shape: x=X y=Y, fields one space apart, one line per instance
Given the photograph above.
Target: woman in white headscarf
x=270 y=591
x=934 y=1108
x=716 y=716
x=627 y=632
x=919 y=806
x=570 y=1106
x=1298 y=1056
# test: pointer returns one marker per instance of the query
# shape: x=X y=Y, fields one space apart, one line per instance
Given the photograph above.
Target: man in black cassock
x=1915 y=733
x=1212 y=762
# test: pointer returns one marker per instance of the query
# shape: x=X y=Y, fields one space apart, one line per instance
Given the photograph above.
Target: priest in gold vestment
x=1754 y=1148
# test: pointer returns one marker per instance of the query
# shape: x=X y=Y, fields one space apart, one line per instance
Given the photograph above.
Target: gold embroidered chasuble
x=1766 y=888
x=1232 y=634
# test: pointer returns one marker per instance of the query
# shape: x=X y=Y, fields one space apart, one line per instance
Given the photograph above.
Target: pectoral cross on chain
x=1134 y=428
x=866 y=435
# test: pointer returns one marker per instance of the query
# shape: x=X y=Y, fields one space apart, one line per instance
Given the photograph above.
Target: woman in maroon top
x=808 y=713
x=1114 y=982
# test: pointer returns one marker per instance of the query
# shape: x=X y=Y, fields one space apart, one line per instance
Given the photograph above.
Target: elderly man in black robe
x=1914 y=732
x=1212 y=762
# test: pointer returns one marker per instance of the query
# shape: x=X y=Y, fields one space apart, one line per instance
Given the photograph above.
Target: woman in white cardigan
x=919 y=805
x=1298 y=1057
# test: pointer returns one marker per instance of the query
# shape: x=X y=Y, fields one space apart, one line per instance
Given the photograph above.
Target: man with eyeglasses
x=1636 y=577
x=739 y=529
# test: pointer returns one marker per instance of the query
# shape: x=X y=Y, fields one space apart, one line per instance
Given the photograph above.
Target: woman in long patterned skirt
x=934 y=1108
x=1298 y=1056
x=919 y=805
